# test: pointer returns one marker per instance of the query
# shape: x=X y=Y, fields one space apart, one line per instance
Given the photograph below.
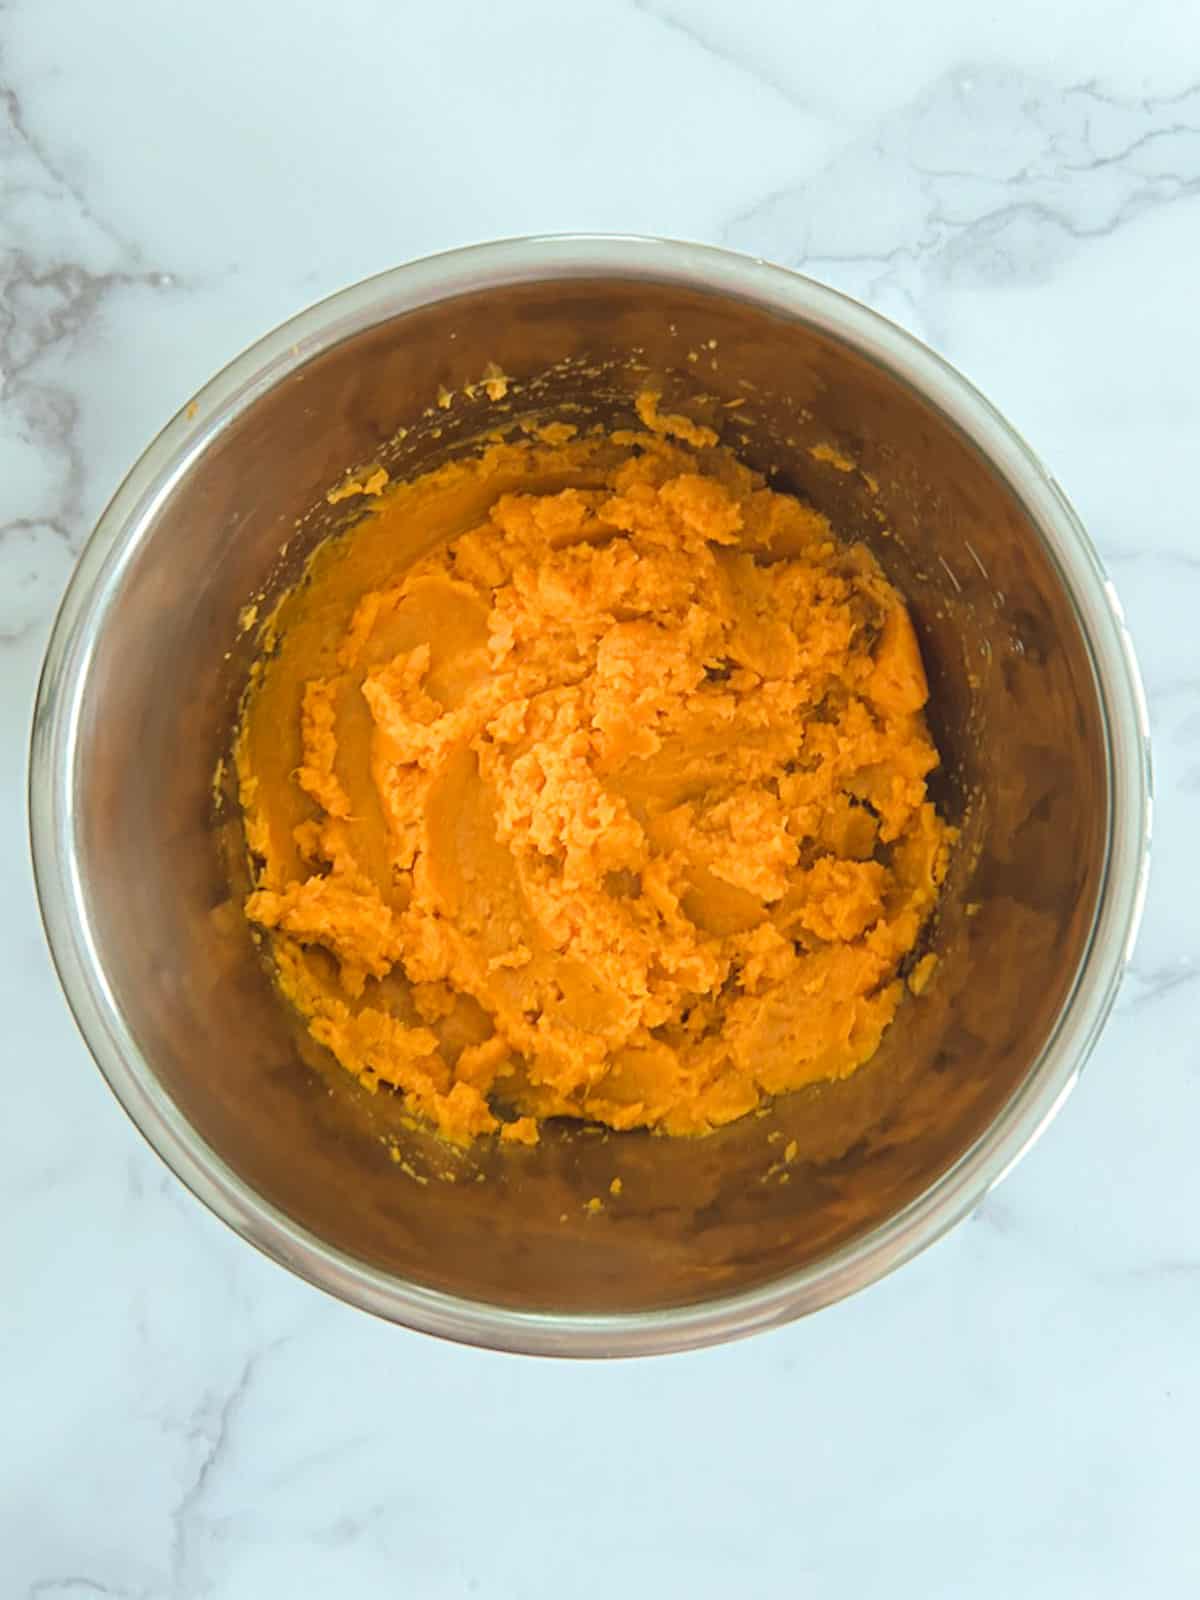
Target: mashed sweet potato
x=587 y=778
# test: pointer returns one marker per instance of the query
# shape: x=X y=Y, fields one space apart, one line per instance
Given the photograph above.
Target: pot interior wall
x=1014 y=709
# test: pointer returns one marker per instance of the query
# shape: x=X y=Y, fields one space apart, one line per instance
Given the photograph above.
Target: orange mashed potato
x=587 y=778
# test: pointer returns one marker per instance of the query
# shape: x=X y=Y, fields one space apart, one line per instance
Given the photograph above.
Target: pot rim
x=63 y=686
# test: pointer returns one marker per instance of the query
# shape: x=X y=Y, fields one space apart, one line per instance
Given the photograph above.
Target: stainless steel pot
x=1036 y=706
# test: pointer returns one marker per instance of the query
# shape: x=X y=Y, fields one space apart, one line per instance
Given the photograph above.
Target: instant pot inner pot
x=1014 y=710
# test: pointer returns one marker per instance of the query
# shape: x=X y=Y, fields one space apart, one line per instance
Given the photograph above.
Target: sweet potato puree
x=586 y=778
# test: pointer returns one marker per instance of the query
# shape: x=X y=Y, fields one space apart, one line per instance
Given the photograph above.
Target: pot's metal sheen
x=1036 y=706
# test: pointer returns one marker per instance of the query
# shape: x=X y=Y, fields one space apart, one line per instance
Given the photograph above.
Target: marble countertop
x=1014 y=1413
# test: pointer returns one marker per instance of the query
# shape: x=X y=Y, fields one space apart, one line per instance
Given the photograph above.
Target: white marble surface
x=1015 y=1413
